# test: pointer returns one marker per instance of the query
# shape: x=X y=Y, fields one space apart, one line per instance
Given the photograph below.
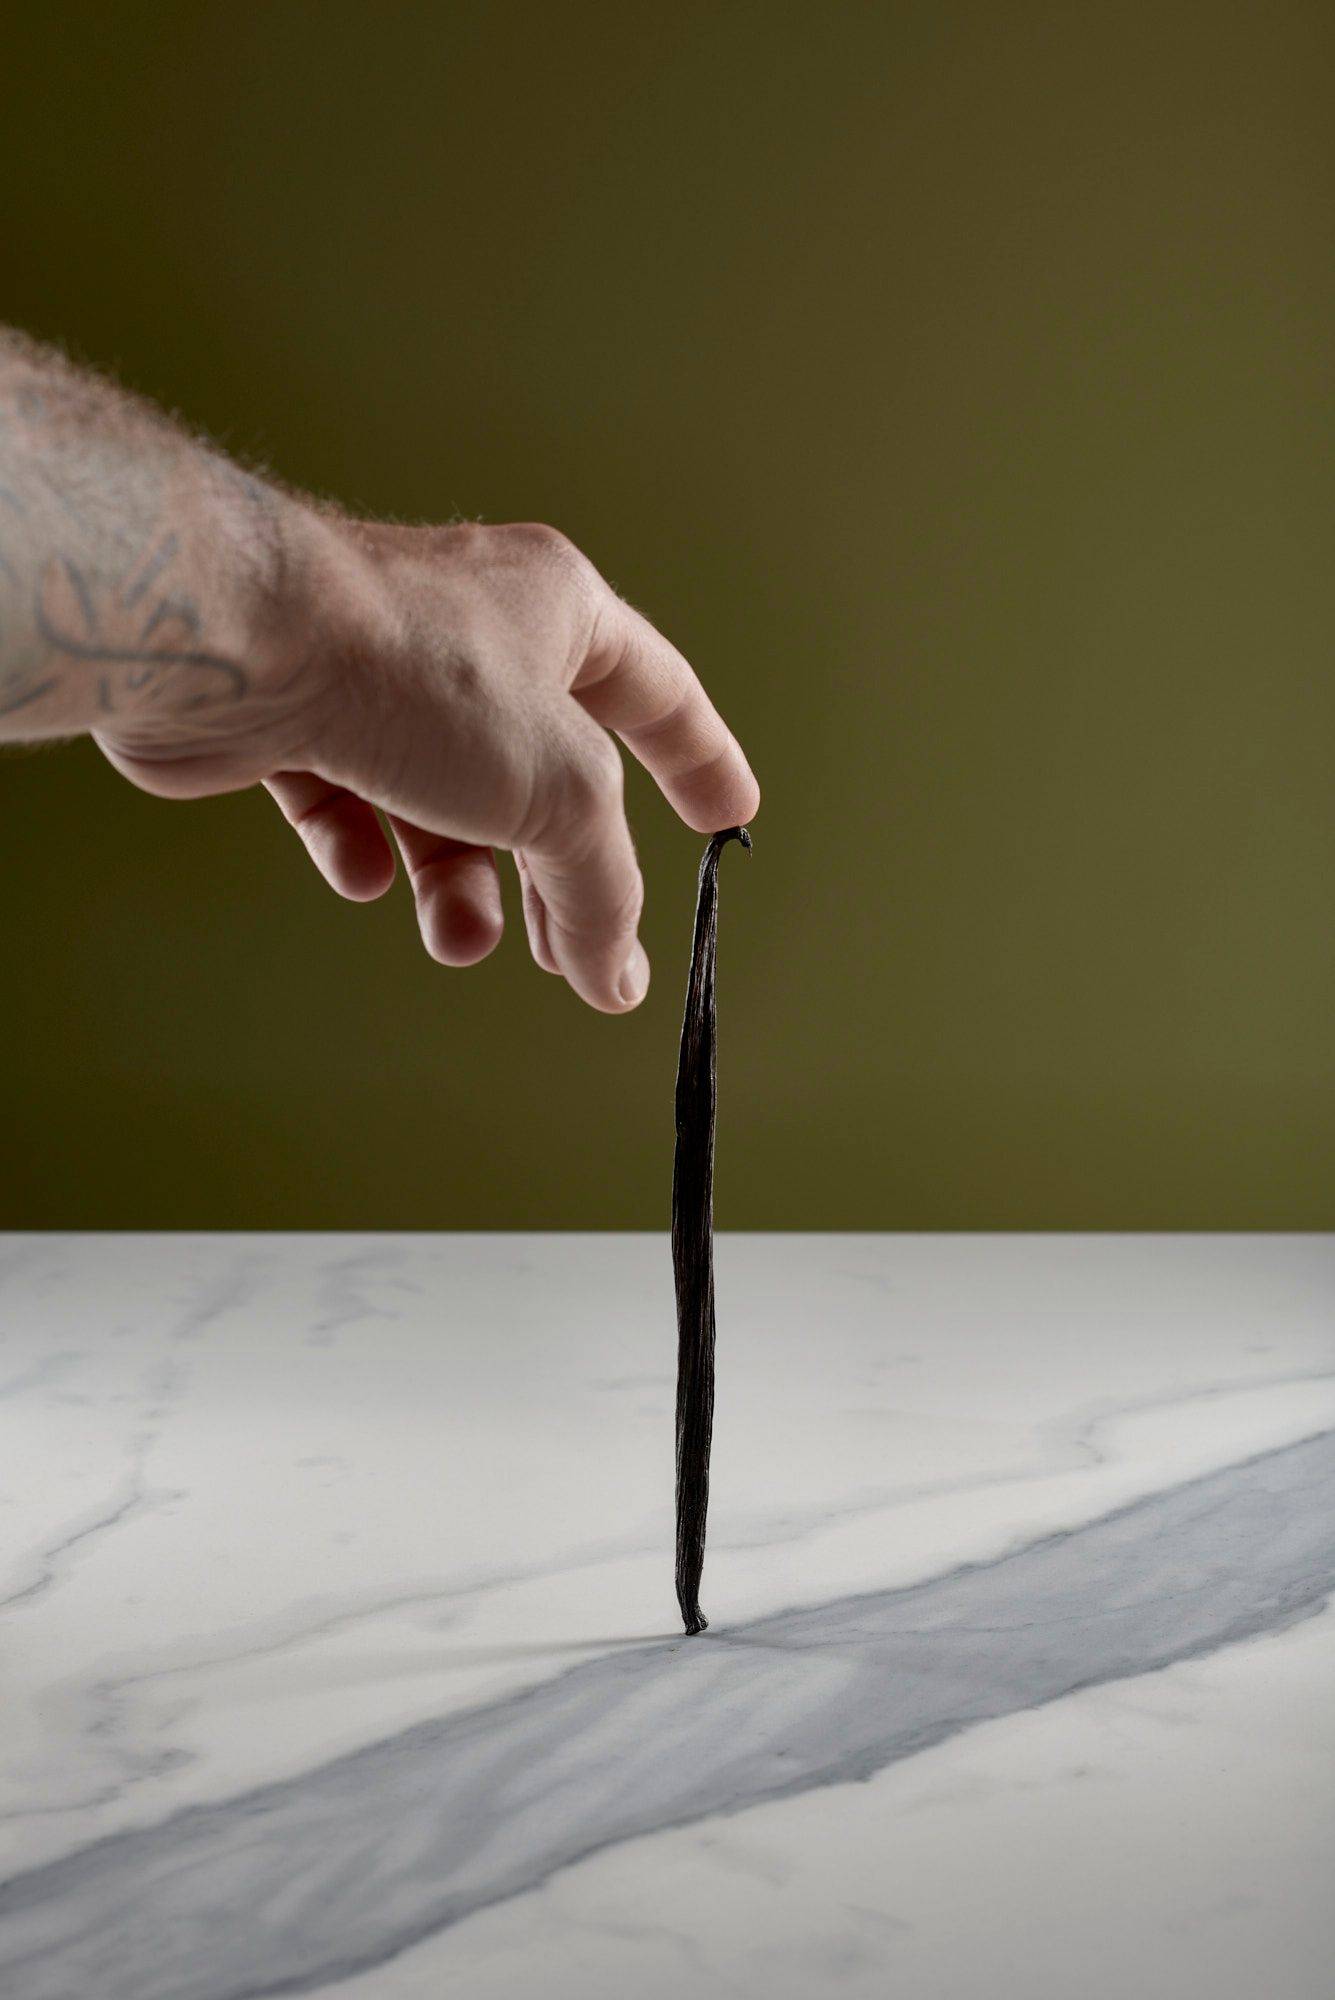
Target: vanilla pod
x=693 y=1237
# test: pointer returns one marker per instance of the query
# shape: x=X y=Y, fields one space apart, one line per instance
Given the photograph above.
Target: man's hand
x=464 y=680
x=213 y=632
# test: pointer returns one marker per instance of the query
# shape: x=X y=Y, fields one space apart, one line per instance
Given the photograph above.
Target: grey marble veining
x=290 y=1715
x=344 y=1867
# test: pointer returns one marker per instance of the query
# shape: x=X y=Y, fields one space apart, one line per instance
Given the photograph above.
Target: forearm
x=142 y=574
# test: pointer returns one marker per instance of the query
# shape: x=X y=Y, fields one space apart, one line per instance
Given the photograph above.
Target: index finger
x=635 y=682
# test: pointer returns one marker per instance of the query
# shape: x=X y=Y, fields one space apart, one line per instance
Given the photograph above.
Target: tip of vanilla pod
x=719 y=841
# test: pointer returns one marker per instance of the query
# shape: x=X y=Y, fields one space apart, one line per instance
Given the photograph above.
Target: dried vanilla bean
x=693 y=1238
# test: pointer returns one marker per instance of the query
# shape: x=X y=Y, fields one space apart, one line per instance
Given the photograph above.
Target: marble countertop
x=338 y=1648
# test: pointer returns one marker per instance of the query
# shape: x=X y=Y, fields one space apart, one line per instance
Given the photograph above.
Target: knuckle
x=605 y=928
x=604 y=773
x=559 y=577
x=563 y=817
x=592 y=789
x=548 y=545
x=626 y=918
x=577 y=784
x=571 y=568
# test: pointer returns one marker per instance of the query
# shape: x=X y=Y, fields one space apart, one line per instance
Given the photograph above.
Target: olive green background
x=954 y=384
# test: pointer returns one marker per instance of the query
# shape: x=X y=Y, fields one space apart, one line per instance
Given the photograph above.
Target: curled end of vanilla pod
x=693 y=1240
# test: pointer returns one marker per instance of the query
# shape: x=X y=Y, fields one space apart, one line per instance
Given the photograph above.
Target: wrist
x=270 y=670
x=334 y=625
x=218 y=630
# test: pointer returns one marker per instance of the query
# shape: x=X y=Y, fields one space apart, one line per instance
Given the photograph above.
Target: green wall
x=953 y=383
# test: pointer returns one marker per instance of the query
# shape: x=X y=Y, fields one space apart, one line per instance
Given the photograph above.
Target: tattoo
x=149 y=575
x=92 y=589
x=85 y=622
x=25 y=695
x=10 y=499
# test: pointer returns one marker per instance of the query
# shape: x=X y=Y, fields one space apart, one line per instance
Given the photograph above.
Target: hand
x=463 y=680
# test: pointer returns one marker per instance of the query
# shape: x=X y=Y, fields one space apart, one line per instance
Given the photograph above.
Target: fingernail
x=634 y=981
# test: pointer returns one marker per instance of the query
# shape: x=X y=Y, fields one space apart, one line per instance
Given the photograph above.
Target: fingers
x=457 y=893
x=455 y=888
x=634 y=682
x=340 y=832
x=583 y=892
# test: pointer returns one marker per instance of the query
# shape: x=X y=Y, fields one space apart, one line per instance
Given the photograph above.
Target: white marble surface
x=338 y=1645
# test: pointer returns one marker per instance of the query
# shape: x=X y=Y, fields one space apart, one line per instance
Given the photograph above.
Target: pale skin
x=449 y=691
